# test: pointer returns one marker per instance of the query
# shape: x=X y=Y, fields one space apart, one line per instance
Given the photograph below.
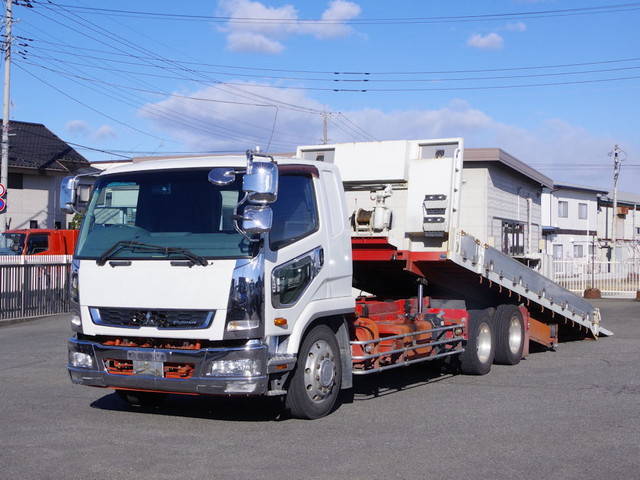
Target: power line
x=157 y=112
x=129 y=44
x=364 y=80
x=336 y=72
x=180 y=119
x=61 y=92
x=236 y=91
x=624 y=7
x=391 y=90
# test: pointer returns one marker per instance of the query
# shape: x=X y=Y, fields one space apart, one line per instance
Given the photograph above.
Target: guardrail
x=33 y=286
x=613 y=279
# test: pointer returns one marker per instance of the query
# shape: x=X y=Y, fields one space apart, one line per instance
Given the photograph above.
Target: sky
x=555 y=83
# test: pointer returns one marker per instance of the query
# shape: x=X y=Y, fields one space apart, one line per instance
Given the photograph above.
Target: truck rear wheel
x=480 y=348
x=509 y=334
x=315 y=385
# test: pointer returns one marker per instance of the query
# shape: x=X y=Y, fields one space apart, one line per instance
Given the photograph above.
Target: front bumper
x=98 y=376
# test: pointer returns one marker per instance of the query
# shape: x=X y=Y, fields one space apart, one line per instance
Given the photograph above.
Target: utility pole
x=325 y=128
x=617 y=163
x=4 y=160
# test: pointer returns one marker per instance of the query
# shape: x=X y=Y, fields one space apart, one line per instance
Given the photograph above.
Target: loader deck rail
x=508 y=273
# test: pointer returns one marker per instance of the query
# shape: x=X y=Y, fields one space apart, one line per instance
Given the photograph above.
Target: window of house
x=295 y=213
x=512 y=238
x=582 y=211
x=563 y=209
x=637 y=230
x=557 y=252
x=15 y=181
x=33 y=224
x=578 y=251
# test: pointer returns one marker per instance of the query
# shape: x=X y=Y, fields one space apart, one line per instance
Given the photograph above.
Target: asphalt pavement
x=569 y=414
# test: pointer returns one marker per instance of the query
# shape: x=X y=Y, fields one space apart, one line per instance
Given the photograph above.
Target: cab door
x=295 y=269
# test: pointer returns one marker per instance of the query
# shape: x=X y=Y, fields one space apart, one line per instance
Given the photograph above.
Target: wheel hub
x=319 y=371
x=484 y=341
x=515 y=334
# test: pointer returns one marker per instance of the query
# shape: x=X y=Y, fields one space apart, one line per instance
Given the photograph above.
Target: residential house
x=570 y=218
x=627 y=225
x=501 y=201
x=38 y=160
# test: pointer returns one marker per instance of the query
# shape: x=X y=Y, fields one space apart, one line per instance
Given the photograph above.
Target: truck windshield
x=177 y=209
x=12 y=243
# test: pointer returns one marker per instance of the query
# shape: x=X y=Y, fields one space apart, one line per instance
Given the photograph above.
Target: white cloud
x=82 y=128
x=77 y=127
x=105 y=132
x=252 y=42
x=267 y=37
x=490 y=41
x=516 y=27
x=552 y=142
x=338 y=11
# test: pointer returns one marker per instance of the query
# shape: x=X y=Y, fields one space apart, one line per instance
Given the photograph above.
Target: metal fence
x=613 y=279
x=33 y=286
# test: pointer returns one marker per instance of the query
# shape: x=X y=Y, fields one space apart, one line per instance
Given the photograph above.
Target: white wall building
x=627 y=225
x=502 y=201
x=570 y=217
x=38 y=160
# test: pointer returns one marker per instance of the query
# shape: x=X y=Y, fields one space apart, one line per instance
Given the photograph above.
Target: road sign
x=3 y=201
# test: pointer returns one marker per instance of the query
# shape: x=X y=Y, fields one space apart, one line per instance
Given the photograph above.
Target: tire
x=509 y=335
x=480 y=348
x=142 y=399
x=315 y=385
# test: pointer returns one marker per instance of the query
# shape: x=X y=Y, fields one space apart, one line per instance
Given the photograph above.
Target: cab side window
x=37 y=244
x=295 y=212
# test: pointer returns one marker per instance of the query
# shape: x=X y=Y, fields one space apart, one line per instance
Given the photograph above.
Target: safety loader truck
x=235 y=276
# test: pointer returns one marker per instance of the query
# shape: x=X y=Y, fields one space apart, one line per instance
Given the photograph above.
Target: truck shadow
x=204 y=407
x=271 y=409
x=376 y=385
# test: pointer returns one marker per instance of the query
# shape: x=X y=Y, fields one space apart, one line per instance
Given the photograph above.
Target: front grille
x=134 y=318
x=169 y=370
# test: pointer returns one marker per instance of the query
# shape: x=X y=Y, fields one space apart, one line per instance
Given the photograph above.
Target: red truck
x=38 y=241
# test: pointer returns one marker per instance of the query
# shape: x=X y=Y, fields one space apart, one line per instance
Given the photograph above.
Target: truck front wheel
x=480 y=348
x=315 y=385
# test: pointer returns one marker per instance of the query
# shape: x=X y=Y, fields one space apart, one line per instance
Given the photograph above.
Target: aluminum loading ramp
x=496 y=267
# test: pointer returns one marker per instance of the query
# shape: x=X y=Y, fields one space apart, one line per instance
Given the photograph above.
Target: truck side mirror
x=74 y=196
x=221 y=176
x=260 y=183
x=257 y=219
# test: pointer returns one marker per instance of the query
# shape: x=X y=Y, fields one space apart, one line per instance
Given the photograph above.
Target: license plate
x=143 y=367
x=147 y=363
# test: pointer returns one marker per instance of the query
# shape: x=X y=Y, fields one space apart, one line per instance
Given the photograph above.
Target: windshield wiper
x=148 y=247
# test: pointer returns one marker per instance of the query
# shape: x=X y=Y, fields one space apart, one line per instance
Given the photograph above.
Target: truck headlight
x=241 y=367
x=80 y=359
x=236 y=325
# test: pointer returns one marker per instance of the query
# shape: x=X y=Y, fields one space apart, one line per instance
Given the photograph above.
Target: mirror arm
x=237 y=217
x=251 y=154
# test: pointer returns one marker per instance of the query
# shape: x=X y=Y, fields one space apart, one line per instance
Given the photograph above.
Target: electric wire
x=616 y=8
x=333 y=72
x=315 y=79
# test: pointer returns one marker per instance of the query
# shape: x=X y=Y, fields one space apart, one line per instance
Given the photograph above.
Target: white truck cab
x=219 y=265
